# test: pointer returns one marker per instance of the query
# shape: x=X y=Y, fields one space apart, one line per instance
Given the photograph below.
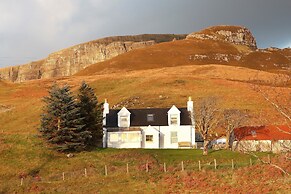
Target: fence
x=131 y=169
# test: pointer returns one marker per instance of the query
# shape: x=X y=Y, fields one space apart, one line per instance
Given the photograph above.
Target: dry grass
x=182 y=52
x=23 y=153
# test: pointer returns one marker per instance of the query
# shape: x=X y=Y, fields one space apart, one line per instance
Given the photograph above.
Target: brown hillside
x=227 y=45
x=160 y=87
x=177 y=53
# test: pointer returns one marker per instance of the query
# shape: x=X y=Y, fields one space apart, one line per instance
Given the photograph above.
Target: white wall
x=124 y=143
x=161 y=137
x=262 y=146
x=154 y=131
x=185 y=134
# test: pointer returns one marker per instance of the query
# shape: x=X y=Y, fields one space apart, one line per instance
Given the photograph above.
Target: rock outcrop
x=232 y=34
x=71 y=60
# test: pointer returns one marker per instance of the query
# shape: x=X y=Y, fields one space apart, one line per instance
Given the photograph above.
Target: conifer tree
x=91 y=111
x=61 y=123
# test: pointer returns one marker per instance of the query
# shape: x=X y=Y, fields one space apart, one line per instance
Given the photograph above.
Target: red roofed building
x=262 y=138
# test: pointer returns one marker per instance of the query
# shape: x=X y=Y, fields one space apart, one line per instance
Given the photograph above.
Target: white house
x=149 y=127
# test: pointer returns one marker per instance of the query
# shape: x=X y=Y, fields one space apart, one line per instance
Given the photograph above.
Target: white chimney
x=190 y=105
x=105 y=111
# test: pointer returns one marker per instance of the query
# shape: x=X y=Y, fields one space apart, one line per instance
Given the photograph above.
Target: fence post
x=165 y=168
x=232 y=164
x=85 y=172
x=147 y=167
x=127 y=168
x=251 y=162
x=182 y=165
x=199 y=164
x=21 y=181
x=105 y=169
x=215 y=167
x=63 y=176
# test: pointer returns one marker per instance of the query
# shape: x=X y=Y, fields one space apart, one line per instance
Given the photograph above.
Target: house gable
x=174 y=116
x=123 y=118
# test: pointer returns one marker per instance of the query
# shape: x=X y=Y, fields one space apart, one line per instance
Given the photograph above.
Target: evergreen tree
x=61 y=123
x=91 y=111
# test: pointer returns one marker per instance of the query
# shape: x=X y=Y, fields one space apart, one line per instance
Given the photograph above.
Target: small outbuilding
x=263 y=139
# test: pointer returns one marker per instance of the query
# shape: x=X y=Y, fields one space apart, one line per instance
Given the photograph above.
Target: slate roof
x=263 y=133
x=138 y=117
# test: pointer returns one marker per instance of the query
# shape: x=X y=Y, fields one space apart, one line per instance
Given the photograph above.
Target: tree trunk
x=227 y=144
x=205 y=147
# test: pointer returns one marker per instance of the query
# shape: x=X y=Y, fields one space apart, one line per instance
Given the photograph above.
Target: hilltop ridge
x=233 y=34
x=73 y=59
x=223 y=45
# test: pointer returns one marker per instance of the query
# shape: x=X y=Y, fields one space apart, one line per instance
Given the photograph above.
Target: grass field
x=26 y=156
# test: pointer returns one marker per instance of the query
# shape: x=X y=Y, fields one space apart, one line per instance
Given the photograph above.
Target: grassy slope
x=182 y=52
x=169 y=54
x=23 y=153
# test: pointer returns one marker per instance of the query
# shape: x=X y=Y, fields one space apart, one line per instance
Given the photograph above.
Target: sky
x=32 y=29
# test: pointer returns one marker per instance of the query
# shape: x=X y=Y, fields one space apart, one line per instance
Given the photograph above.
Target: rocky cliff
x=71 y=60
x=224 y=45
x=233 y=34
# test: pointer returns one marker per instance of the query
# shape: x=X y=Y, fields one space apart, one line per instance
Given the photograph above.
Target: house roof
x=263 y=133
x=138 y=117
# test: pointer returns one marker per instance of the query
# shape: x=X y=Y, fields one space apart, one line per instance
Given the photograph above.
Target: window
x=174 y=137
x=174 y=119
x=149 y=138
x=123 y=121
x=124 y=137
x=150 y=117
x=254 y=133
x=133 y=137
x=113 y=137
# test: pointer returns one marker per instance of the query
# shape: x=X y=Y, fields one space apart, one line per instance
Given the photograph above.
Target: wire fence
x=132 y=169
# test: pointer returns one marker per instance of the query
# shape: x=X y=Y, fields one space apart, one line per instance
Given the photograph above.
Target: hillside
x=160 y=87
x=23 y=154
x=227 y=45
x=71 y=60
x=160 y=75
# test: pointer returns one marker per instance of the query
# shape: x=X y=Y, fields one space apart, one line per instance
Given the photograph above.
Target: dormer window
x=123 y=120
x=150 y=117
x=174 y=116
x=174 y=119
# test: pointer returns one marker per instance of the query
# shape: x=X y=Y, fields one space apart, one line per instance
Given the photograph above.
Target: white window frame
x=174 y=117
x=149 y=141
x=136 y=137
x=116 y=139
x=174 y=138
x=123 y=121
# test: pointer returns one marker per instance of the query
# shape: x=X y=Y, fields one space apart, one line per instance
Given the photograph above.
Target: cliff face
x=224 y=45
x=71 y=60
x=232 y=34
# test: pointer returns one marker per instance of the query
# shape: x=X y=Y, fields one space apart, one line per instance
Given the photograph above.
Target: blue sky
x=32 y=29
